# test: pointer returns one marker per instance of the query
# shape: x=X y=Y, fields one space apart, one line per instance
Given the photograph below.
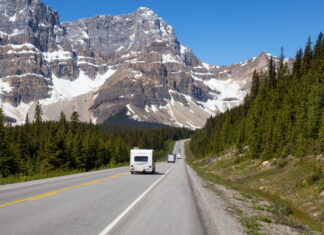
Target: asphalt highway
x=103 y=202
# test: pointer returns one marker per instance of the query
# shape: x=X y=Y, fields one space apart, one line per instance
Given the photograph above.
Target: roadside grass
x=259 y=207
x=264 y=218
x=251 y=225
x=291 y=187
x=51 y=174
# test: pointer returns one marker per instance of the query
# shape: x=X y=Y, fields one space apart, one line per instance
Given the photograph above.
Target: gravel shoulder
x=215 y=212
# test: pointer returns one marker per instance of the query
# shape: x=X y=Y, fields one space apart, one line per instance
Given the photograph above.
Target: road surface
x=104 y=202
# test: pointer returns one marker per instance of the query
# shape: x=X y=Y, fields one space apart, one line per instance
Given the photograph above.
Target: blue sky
x=220 y=32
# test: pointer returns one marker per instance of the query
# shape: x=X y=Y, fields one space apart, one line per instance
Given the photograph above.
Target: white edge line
x=119 y=218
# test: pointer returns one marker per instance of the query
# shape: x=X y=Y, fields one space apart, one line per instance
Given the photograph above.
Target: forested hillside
x=282 y=115
x=40 y=147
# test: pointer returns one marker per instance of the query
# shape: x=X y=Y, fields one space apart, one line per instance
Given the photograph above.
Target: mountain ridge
x=100 y=65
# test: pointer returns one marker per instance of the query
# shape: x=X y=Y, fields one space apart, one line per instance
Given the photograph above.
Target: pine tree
x=27 y=119
x=283 y=69
x=74 y=120
x=224 y=134
x=63 y=125
x=9 y=163
x=62 y=118
x=308 y=56
x=272 y=74
x=297 y=67
x=255 y=84
x=38 y=114
x=319 y=46
x=281 y=58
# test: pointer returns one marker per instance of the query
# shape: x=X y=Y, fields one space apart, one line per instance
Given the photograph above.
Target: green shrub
x=252 y=227
x=281 y=162
x=316 y=176
x=265 y=219
x=281 y=207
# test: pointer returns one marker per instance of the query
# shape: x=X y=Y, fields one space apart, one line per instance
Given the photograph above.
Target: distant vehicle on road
x=179 y=156
x=142 y=160
x=171 y=158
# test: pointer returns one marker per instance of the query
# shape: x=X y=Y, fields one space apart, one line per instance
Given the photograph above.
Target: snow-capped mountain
x=101 y=65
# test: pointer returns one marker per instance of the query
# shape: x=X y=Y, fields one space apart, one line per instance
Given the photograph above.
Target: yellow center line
x=63 y=189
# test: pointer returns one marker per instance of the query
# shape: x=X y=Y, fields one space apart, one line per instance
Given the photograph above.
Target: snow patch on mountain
x=183 y=49
x=227 y=88
x=58 y=55
x=63 y=89
x=170 y=59
x=4 y=87
x=227 y=94
x=13 y=18
x=132 y=114
x=18 y=113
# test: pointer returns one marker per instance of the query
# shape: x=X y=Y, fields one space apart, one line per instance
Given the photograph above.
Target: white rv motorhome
x=142 y=160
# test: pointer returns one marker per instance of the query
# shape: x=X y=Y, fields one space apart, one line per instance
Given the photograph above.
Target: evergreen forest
x=282 y=115
x=41 y=147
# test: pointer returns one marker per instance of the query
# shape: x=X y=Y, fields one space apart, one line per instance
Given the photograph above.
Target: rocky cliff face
x=102 y=65
x=28 y=21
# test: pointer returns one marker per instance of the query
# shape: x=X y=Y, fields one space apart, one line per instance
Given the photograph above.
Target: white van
x=142 y=160
x=179 y=156
x=171 y=158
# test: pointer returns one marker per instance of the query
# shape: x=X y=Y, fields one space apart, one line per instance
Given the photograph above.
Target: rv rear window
x=141 y=159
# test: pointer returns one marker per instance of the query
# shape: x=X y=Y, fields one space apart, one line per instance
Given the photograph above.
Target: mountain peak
x=145 y=11
x=264 y=53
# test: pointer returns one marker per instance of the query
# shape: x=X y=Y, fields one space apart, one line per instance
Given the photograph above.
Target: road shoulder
x=214 y=210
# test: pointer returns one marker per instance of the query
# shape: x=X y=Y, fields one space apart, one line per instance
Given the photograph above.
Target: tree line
x=41 y=147
x=282 y=115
